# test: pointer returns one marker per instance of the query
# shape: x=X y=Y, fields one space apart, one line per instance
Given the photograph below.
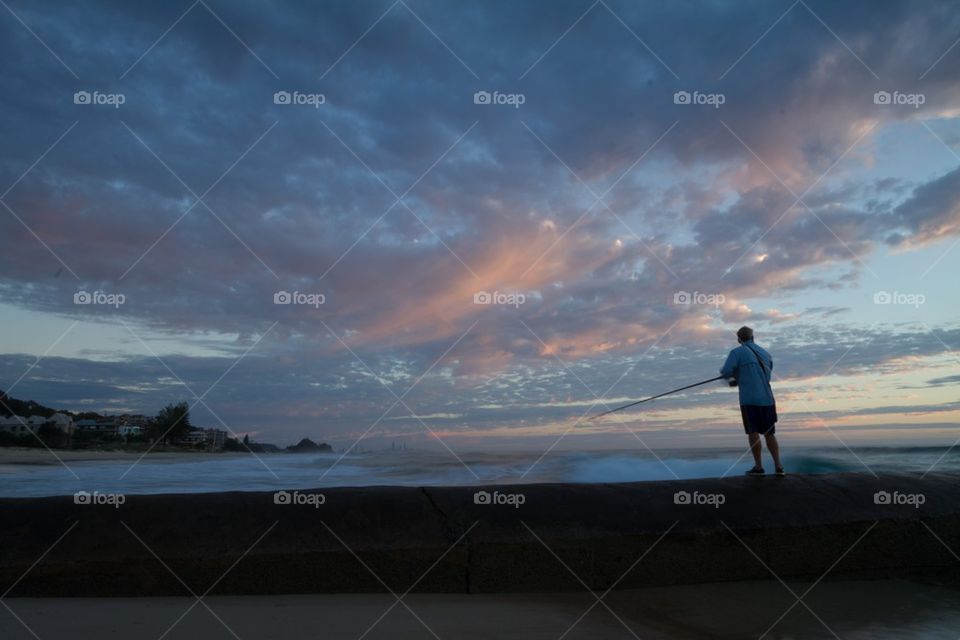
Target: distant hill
x=309 y=446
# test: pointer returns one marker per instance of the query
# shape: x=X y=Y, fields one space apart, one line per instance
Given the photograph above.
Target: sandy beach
x=849 y=609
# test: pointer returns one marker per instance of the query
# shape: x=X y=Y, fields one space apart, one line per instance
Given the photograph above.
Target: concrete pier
x=511 y=538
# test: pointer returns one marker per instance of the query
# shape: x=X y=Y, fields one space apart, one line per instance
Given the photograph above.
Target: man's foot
x=780 y=471
x=756 y=471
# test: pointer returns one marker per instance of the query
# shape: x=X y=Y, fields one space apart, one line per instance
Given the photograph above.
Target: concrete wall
x=797 y=526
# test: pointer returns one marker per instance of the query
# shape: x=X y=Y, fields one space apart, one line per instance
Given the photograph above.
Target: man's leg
x=755 y=448
x=773 y=447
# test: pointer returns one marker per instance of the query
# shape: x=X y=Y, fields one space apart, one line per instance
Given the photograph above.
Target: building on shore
x=104 y=427
x=130 y=430
x=212 y=439
x=16 y=425
x=19 y=425
x=134 y=420
x=109 y=427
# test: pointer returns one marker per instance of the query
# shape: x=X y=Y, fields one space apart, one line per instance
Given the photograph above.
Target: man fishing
x=749 y=367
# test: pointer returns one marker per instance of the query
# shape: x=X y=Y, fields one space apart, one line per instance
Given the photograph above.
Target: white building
x=61 y=421
x=19 y=425
x=15 y=425
x=126 y=430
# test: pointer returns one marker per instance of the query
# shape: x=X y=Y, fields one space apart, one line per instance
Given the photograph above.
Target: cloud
x=945 y=380
x=599 y=198
x=931 y=212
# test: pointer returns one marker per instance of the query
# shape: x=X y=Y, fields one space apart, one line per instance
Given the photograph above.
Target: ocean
x=194 y=473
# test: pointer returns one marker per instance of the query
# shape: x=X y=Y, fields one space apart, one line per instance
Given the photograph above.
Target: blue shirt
x=753 y=383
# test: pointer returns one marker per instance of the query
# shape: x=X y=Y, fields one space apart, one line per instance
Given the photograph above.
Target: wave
x=437 y=468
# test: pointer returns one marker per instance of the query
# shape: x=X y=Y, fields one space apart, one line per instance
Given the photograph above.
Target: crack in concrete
x=443 y=516
x=448 y=529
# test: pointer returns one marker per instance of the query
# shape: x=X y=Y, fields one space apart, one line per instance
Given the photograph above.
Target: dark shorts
x=759 y=419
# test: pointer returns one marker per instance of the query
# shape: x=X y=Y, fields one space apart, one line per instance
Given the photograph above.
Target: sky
x=475 y=224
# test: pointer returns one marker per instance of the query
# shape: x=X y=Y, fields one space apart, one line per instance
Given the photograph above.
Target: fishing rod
x=660 y=395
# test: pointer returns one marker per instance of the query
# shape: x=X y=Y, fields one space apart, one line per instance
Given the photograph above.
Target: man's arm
x=729 y=368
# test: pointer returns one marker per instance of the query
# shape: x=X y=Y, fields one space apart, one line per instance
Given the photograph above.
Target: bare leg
x=755 y=448
x=774 y=448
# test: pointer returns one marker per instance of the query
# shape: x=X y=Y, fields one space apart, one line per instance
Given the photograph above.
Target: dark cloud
x=945 y=380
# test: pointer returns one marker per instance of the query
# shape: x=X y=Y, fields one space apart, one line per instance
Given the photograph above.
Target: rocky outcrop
x=309 y=446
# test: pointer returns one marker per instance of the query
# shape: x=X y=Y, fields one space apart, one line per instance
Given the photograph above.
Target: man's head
x=744 y=334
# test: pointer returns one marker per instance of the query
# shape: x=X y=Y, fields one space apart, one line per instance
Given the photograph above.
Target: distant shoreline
x=41 y=456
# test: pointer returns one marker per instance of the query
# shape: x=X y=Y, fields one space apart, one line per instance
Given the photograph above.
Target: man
x=749 y=367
